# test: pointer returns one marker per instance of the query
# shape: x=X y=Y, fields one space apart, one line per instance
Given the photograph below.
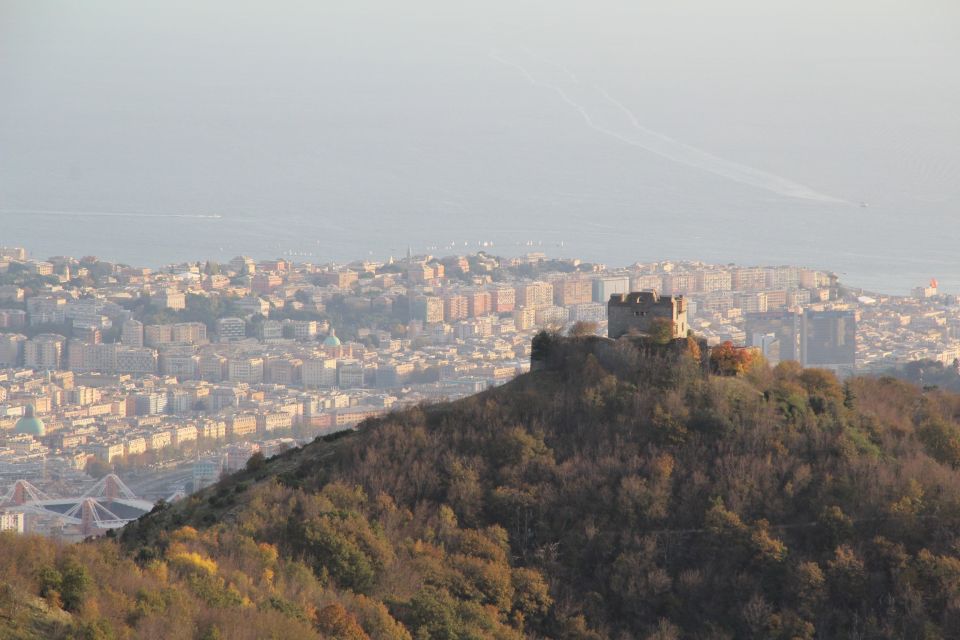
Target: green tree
x=941 y=440
x=433 y=615
x=256 y=462
x=541 y=347
x=212 y=633
x=76 y=582
x=50 y=581
x=97 y=630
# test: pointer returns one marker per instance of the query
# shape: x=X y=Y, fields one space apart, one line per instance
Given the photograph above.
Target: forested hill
x=613 y=493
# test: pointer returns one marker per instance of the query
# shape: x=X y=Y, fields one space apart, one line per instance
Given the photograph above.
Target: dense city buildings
x=828 y=339
x=200 y=365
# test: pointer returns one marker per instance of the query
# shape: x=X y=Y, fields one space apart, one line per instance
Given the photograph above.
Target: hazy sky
x=627 y=129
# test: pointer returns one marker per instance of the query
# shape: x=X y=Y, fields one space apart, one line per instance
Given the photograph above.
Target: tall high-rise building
x=503 y=299
x=709 y=280
x=748 y=279
x=131 y=333
x=571 y=291
x=679 y=283
x=270 y=330
x=282 y=370
x=350 y=374
x=783 y=325
x=429 y=309
x=589 y=312
x=150 y=403
x=179 y=360
x=828 y=339
x=247 y=369
x=231 y=329
x=605 y=287
x=156 y=334
x=535 y=295
x=135 y=360
x=641 y=282
x=769 y=345
x=11 y=349
x=752 y=301
x=478 y=303
x=525 y=318
x=43 y=351
x=783 y=277
x=455 y=308
x=212 y=367
x=189 y=332
x=319 y=372
x=300 y=329
x=552 y=316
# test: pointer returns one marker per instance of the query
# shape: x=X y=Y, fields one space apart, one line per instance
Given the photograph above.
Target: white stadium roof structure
x=108 y=504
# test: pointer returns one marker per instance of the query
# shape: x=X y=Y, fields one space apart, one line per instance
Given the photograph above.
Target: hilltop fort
x=639 y=312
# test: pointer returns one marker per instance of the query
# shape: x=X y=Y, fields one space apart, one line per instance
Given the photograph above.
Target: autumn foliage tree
x=729 y=360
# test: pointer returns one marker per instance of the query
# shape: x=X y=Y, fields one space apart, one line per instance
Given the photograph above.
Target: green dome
x=30 y=424
x=331 y=340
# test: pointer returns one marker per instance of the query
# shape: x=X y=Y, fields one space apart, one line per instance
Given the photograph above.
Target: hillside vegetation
x=615 y=492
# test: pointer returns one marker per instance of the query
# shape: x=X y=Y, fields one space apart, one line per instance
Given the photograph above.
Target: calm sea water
x=616 y=132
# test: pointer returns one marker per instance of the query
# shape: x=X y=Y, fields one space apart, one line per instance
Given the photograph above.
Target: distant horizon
x=807 y=133
x=492 y=251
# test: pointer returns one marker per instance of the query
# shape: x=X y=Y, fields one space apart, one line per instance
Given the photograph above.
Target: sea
x=821 y=135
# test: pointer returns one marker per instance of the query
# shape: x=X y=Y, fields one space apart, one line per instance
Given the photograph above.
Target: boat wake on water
x=609 y=116
x=108 y=214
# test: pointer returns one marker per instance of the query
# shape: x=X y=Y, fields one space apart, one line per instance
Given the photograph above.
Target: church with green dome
x=331 y=340
x=30 y=424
